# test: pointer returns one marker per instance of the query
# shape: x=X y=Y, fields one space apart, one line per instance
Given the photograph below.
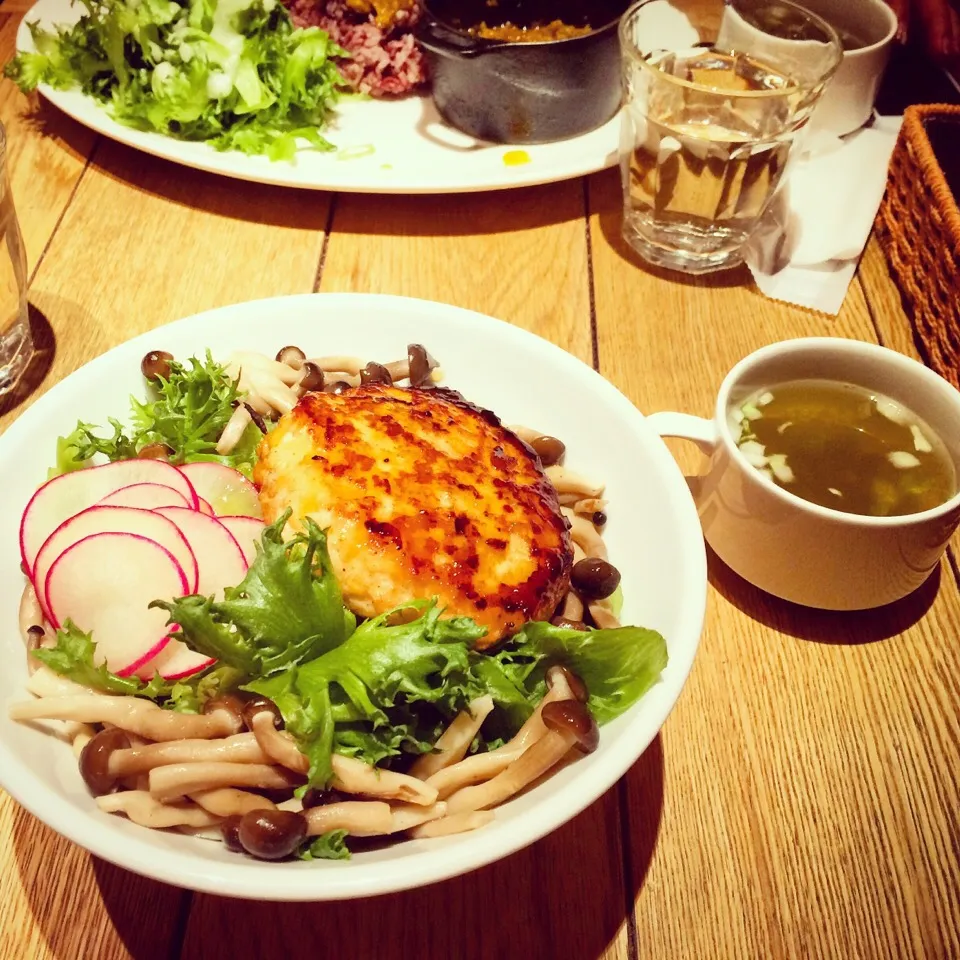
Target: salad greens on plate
x=233 y=73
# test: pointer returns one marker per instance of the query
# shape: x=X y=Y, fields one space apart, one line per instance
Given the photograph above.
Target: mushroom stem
x=572 y=606
x=247 y=361
x=226 y=801
x=146 y=811
x=405 y=816
x=79 y=736
x=240 y=748
x=453 y=743
x=30 y=614
x=475 y=769
x=141 y=717
x=532 y=763
x=603 y=615
x=398 y=369
x=485 y=766
x=176 y=780
x=566 y=481
x=233 y=431
x=354 y=776
x=360 y=818
x=340 y=364
x=458 y=823
x=46 y=683
x=277 y=744
x=585 y=534
x=589 y=506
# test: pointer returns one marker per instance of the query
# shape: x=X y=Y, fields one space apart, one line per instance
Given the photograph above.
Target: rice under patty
x=386 y=60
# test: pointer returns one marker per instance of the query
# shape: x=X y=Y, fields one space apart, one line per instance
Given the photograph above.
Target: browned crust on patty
x=430 y=494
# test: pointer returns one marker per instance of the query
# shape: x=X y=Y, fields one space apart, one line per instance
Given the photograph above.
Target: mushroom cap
x=313 y=377
x=95 y=759
x=572 y=717
x=253 y=708
x=271 y=834
x=375 y=372
x=577 y=687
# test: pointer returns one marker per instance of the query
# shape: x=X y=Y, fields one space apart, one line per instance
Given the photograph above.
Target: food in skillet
x=207 y=667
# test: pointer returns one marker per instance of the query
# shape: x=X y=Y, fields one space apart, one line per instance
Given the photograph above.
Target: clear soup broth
x=845 y=447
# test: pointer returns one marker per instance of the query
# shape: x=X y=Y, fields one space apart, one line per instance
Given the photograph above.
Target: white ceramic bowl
x=653 y=536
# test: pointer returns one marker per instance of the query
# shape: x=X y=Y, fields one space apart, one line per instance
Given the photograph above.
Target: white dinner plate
x=413 y=150
x=653 y=536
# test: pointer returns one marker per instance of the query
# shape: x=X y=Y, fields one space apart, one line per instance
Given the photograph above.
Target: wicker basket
x=919 y=229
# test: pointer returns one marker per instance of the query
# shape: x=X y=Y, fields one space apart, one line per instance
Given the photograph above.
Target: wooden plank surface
x=810 y=807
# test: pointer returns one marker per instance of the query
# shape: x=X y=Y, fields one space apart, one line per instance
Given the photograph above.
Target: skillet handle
x=444 y=41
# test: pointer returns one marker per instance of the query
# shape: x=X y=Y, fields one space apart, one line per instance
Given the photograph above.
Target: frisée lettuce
x=233 y=73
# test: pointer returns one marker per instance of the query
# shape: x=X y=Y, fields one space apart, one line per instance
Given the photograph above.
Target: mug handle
x=701 y=431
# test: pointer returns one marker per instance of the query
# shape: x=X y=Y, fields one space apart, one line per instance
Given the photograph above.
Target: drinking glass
x=16 y=344
x=716 y=94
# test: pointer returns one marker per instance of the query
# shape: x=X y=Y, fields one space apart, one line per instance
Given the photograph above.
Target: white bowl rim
x=303 y=881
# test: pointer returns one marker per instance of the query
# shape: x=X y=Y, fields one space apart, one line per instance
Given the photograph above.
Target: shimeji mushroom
x=457 y=823
x=141 y=717
x=146 y=811
x=354 y=776
x=549 y=449
x=234 y=429
x=360 y=818
x=567 y=482
x=584 y=533
x=95 y=760
x=589 y=507
x=228 y=801
x=603 y=615
x=485 y=766
x=569 y=723
x=45 y=683
x=240 y=748
x=419 y=367
x=178 y=779
x=271 y=834
x=405 y=816
x=265 y=721
x=453 y=743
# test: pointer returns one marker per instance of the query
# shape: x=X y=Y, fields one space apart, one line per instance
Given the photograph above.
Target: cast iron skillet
x=523 y=92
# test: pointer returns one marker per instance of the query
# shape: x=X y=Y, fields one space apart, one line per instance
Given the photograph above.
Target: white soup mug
x=798 y=550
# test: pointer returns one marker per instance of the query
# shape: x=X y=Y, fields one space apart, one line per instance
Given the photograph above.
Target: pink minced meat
x=385 y=63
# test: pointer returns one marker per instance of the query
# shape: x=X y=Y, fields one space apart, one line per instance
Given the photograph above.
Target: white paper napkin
x=806 y=248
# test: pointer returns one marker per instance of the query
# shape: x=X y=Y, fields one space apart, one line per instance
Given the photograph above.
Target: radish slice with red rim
x=105 y=583
x=247 y=531
x=146 y=496
x=62 y=497
x=109 y=519
x=227 y=491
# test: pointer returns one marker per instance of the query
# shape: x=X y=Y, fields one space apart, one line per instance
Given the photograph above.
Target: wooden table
x=801 y=800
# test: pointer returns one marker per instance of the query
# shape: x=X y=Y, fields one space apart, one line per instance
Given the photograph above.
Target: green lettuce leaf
x=73 y=657
x=328 y=846
x=185 y=412
x=232 y=73
x=286 y=610
x=618 y=666
x=367 y=696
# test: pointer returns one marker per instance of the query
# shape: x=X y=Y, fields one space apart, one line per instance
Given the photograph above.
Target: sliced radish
x=175 y=662
x=104 y=584
x=205 y=507
x=63 y=496
x=247 y=532
x=146 y=496
x=221 y=562
x=227 y=490
x=219 y=557
x=109 y=519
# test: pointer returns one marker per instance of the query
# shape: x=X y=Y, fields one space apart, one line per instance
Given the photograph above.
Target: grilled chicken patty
x=422 y=495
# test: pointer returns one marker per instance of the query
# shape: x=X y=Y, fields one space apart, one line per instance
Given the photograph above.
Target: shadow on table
x=606 y=202
x=472 y=214
x=563 y=897
x=45 y=348
x=822 y=626
x=64 y=899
